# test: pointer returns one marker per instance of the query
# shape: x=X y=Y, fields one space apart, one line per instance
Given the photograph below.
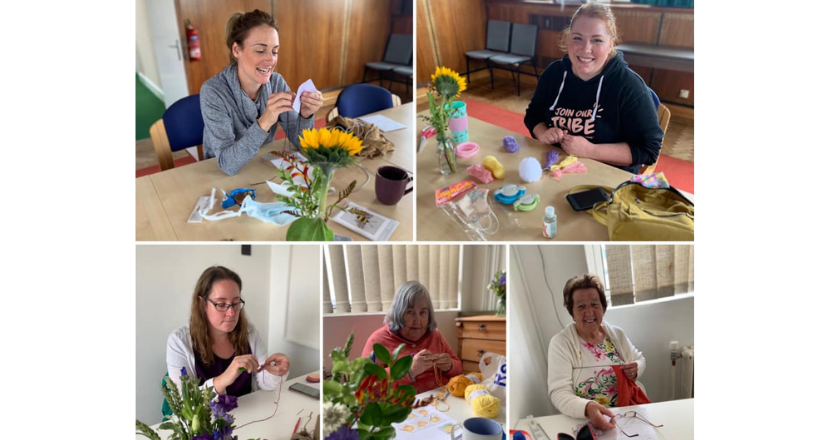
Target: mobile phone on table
x=583 y=200
x=305 y=389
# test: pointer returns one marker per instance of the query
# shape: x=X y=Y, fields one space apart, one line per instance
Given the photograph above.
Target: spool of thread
x=459 y=384
x=484 y=404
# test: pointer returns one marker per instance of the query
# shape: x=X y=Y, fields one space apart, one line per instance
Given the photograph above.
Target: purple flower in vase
x=223 y=433
x=184 y=371
x=344 y=433
x=222 y=406
x=202 y=437
x=502 y=279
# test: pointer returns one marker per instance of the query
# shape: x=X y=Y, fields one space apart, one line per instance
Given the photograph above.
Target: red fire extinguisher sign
x=193 y=42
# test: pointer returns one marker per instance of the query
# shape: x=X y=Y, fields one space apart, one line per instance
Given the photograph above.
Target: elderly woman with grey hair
x=411 y=321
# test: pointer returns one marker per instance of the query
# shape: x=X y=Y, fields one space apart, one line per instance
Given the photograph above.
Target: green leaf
x=146 y=431
x=400 y=368
x=372 y=415
x=375 y=369
x=363 y=434
x=382 y=354
x=309 y=229
x=385 y=433
x=332 y=389
x=397 y=352
x=396 y=414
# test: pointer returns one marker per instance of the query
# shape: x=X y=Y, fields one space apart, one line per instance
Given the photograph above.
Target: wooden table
x=165 y=200
x=260 y=405
x=676 y=416
x=434 y=224
x=459 y=410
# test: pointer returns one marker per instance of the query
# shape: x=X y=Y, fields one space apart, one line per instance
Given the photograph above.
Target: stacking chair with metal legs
x=498 y=43
x=398 y=54
x=522 y=50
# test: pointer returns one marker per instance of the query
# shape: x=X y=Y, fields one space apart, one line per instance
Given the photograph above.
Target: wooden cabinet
x=478 y=335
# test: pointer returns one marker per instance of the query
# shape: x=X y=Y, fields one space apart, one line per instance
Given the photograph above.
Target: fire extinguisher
x=193 y=42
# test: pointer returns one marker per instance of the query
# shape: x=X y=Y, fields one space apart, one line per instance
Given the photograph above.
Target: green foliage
x=309 y=229
x=369 y=392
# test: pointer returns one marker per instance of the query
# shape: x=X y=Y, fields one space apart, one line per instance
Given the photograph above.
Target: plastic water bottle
x=549 y=223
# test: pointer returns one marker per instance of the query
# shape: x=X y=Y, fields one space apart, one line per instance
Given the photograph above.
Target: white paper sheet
x=424 y=423
x=384 y=124
x=307 y=86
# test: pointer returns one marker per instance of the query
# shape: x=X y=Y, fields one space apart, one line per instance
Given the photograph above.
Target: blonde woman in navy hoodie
x=590 y=102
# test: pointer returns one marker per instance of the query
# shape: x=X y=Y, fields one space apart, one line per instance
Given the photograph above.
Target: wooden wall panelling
x=209 y=19
x=668 y=83
x=311 y=41
x=460 y=26
x=369 y=29
x=402 y=24
x=637 y=26
x=424 y=46
x=678 y=30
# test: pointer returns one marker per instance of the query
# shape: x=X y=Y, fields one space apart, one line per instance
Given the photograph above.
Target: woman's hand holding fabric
x=310 y=102
x=630 y=370
x=277 y=104
x=422 y=361
x=596 y=413
x=280 y=367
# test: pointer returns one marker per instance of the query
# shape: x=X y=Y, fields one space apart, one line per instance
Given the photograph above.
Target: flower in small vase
x=499 y=288
x=326 y=150
x=446 y=85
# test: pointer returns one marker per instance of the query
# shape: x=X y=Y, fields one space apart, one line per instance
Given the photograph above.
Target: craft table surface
x=676 y=416
x=165 y=200
x=260 y=404
x=436 y=225
x=460 y=410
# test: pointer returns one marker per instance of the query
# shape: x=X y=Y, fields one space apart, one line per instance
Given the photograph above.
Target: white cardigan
x=180 y=354
x=564 y=357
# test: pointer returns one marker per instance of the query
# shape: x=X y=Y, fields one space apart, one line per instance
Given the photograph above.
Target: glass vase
x=446 y=154
x=501 y=308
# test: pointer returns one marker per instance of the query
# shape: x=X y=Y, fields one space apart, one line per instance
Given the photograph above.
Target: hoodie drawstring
x=560 y=91
x=596 y=102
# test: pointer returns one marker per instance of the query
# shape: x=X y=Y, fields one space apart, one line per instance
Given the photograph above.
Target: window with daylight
x=359 y=279
x=637 y=273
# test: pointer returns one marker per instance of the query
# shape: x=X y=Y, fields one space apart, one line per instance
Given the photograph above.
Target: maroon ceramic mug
x=390 y=184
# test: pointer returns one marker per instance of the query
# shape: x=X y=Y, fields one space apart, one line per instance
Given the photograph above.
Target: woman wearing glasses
x=220 y=346
x=582 y=357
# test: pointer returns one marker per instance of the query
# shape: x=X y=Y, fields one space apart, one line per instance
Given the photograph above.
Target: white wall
x=165 y=278
x=536 y=313
x=144 y=52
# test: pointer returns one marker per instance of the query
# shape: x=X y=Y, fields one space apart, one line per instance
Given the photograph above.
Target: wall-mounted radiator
x=687 y=372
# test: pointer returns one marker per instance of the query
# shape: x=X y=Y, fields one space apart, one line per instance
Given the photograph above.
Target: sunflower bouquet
x=326 y=150
x=445 y=87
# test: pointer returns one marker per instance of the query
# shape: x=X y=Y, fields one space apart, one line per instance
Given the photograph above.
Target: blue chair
x=180 y=127
x=361 y=99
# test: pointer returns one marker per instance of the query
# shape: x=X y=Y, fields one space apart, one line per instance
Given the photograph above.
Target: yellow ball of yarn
x=484 y=404
x=494 y=166
x=458 y=384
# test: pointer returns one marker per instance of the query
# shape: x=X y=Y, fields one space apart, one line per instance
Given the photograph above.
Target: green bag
x=637 y=213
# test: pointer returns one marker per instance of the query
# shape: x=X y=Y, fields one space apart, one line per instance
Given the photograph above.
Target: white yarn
x=530 y=170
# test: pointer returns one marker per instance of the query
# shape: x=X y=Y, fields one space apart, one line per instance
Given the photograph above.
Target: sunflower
x=448 y=83
x=334 y=147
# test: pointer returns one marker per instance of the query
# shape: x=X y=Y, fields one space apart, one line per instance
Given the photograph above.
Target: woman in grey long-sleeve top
x=242 y=104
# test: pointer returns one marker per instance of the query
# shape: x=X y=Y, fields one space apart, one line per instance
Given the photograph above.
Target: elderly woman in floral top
x=581 y=380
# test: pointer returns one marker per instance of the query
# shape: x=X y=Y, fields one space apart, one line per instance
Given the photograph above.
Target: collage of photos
x=470 y=187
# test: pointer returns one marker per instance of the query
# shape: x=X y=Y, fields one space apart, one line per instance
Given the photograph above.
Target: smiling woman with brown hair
x=242 y=104
x=411 y=321
x=220 y=346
